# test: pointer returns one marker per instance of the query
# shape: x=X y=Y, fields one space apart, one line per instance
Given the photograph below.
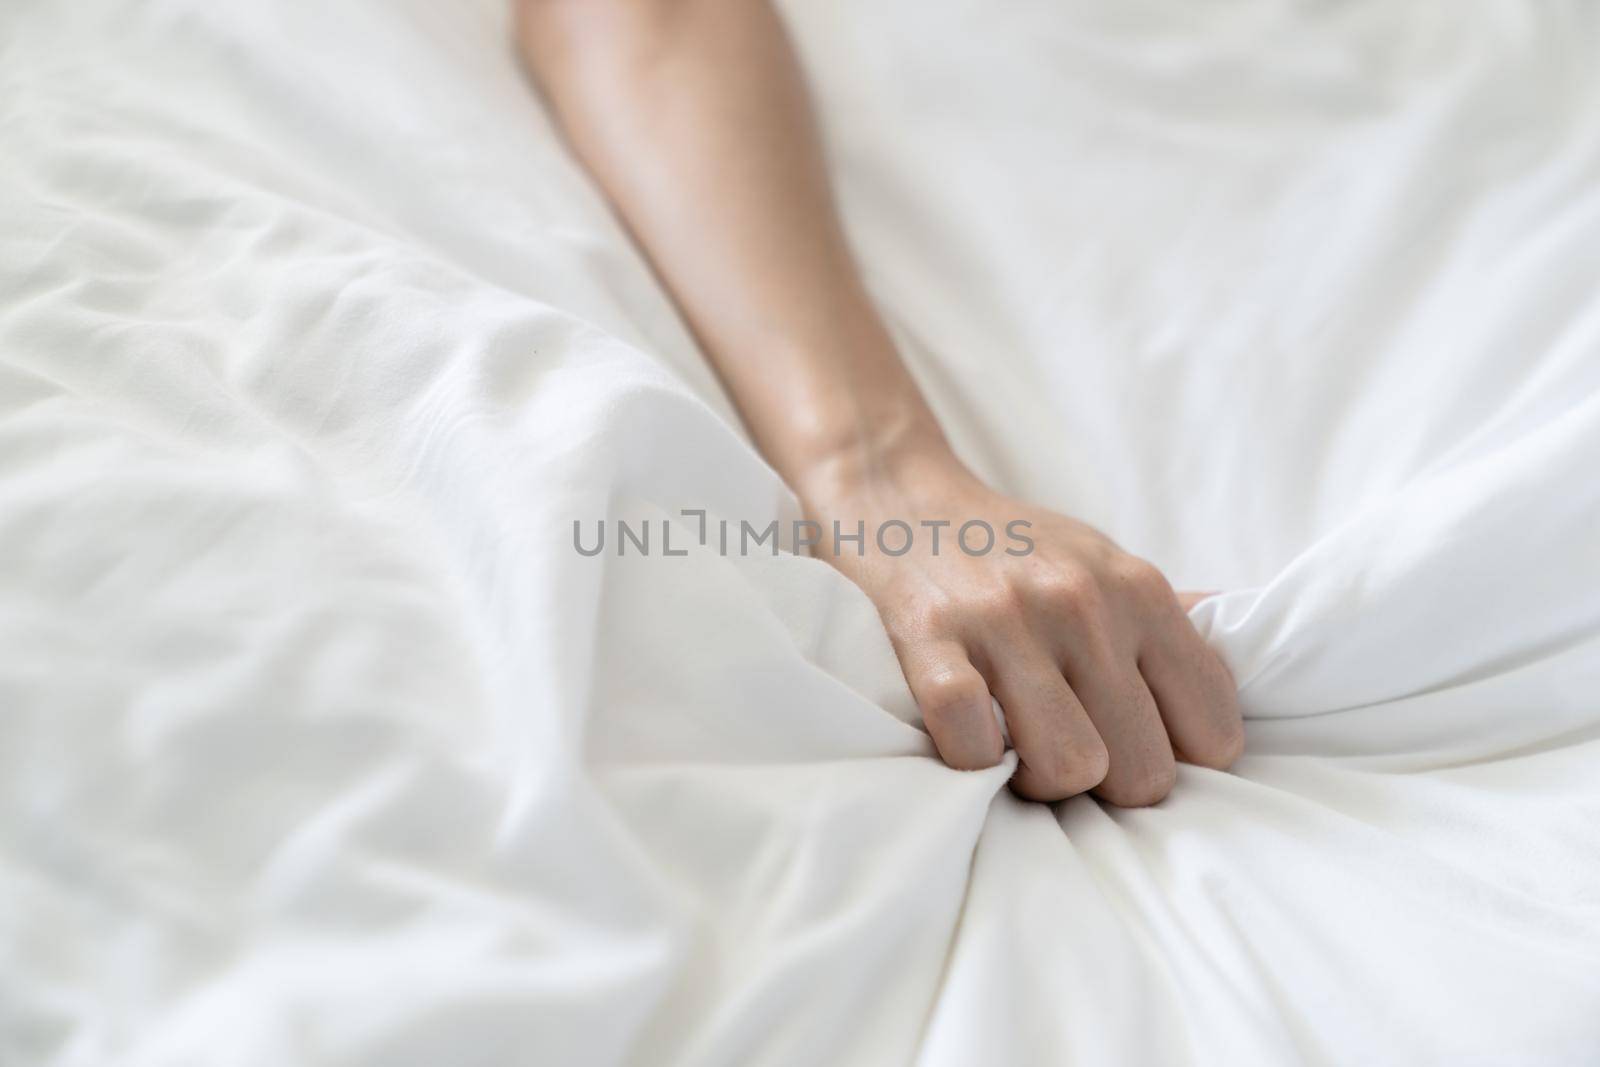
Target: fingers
x=955 y=705
x=1141 y=770
x=1102 y=692
x=1198 y=700
x=1187 y=601
x=1059 y=753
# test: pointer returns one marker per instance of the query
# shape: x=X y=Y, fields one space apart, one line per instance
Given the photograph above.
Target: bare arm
x=693 y=117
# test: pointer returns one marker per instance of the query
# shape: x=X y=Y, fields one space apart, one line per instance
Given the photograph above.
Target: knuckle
x=926 y=617
x=1142 y=578
x=949 y=693
x=1076 y=596
x=998 y=605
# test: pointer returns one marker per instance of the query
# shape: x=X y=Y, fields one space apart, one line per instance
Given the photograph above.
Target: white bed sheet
x=320 y=745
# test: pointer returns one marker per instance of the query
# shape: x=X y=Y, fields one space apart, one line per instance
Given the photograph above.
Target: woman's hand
x=1102 y=679
x=693 y=117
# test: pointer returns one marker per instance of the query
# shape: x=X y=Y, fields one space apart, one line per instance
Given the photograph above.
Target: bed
x=320 y=743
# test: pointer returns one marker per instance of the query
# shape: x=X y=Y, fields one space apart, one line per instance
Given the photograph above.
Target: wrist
x=891 y=462
x=848 y=423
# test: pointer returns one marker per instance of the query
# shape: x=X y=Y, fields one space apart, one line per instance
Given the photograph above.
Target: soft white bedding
x=319 y=744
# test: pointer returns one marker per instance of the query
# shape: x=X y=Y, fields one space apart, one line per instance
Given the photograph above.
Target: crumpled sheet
x=319 y=744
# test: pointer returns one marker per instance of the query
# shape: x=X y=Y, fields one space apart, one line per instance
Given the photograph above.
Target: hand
x=709 y=153
x=1102 y=679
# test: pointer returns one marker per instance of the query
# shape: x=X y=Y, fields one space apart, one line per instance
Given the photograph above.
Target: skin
x=692 y=115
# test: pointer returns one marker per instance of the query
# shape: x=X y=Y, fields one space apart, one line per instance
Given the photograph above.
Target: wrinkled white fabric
x=319 y=744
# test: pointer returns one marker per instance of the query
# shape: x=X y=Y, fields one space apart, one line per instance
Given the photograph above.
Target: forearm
x=693 y=116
